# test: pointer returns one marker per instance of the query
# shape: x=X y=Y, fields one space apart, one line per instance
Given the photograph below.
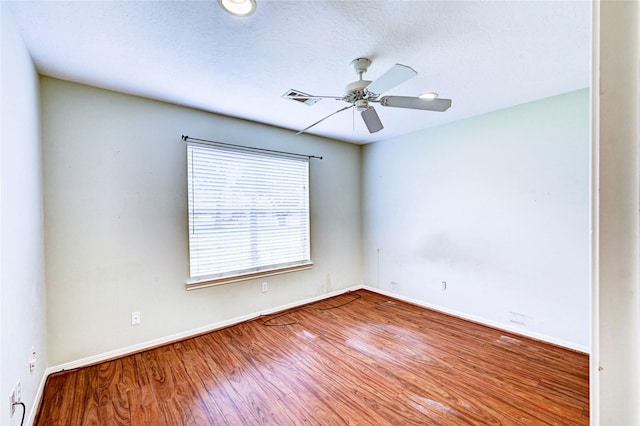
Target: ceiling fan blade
x=338 y=98
x=395 y=75
x=416 y=103
x=321 y=120
x=371 y=119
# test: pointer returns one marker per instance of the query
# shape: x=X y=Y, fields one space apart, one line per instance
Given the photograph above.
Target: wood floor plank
x=257 y=396
x=68 y=408
x=145 y=408
x=279 y=368
x=113 y=403
x=190 y=391
x=217 y=389
x=50 y=405
x=317 y=368
x=358 y=358
x=90 y=403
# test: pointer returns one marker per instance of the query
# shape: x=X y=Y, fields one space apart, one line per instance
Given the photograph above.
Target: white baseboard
x=94 y=359
x=37 y=400
x=483 y=321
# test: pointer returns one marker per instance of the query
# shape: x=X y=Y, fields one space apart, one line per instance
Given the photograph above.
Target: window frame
x=251 y=154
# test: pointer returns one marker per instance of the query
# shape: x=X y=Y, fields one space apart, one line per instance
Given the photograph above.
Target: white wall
x=22 y=282
x=498 y=207
x=616 y=364
x=116 y=220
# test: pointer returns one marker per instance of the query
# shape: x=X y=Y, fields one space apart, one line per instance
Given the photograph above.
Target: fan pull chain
x=353 y=120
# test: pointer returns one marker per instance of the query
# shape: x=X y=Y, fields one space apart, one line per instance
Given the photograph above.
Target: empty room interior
x=438 y=220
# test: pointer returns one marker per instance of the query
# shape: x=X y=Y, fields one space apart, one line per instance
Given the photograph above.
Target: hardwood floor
x=359 y=358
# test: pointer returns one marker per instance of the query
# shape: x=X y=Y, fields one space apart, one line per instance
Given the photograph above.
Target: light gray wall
x=616 y=359
x=22 y=276
x=116 y=220
x=498 y=207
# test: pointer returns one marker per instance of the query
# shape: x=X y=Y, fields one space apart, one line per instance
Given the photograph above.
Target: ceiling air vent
x=304 y=98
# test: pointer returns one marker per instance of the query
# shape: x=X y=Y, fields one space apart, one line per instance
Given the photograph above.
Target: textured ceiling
x=485 y=55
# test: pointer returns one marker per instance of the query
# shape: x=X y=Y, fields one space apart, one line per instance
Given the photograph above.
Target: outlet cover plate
x=12 y=400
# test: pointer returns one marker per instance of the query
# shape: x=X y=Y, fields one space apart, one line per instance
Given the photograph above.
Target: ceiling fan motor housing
x=356 y=91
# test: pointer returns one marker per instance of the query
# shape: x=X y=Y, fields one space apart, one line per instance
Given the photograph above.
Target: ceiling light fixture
x=429 y=96
x=238 y=7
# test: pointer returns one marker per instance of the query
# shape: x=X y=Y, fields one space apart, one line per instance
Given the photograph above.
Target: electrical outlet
x=395 y=286
x=18 y=392
x=520 y=319
x=32 y=361
x=265 y=287
x=12 y=401
x=135 y=318
x=444 y=285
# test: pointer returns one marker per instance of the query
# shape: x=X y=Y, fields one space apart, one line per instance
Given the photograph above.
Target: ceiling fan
x=362 y=93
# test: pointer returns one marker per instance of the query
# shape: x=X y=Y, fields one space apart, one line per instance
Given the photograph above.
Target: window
x=248 y=213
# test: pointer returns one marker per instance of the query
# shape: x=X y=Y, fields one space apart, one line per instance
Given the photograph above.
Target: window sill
x=202 y=283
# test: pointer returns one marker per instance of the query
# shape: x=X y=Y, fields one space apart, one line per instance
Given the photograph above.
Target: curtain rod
x=188 y=138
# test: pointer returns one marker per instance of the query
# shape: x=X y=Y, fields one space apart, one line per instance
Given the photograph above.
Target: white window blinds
x=248 y=211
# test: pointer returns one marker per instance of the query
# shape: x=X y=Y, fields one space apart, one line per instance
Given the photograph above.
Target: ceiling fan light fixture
x=429 y=96
x=238 y=7
x=361 y=105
